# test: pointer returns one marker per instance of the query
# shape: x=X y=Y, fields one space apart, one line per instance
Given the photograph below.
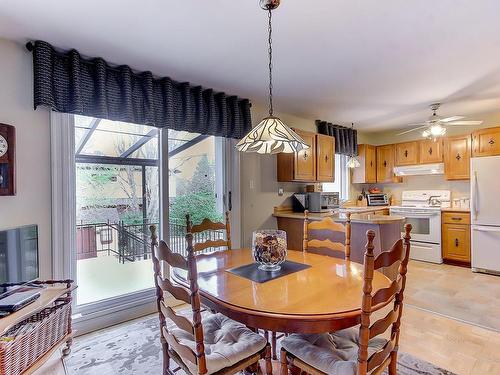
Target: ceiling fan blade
x=412 y=130
x=470 y=122
x=452 y=118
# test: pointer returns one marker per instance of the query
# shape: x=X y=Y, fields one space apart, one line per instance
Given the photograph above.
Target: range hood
x=420 y=169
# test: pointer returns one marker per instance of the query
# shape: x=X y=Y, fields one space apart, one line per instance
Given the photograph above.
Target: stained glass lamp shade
x=271 y=136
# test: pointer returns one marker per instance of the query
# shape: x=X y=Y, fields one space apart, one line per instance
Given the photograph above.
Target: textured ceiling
x=376 y=63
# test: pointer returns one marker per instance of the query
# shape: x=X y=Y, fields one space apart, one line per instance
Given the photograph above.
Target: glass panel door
x=197 y=182
x=117 y=198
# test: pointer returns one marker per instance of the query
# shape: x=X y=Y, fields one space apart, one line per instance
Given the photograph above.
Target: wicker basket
x=50 y=326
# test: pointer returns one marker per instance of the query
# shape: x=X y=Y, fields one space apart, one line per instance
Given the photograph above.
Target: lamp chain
x=270 y=51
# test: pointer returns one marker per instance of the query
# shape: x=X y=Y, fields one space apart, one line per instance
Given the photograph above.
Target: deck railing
x=131 y=242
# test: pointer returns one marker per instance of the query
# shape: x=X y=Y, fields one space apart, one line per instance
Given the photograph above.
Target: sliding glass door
x=117 y=198
x=113 y=181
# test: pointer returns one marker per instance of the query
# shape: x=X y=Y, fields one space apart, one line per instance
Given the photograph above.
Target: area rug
x=134 y=348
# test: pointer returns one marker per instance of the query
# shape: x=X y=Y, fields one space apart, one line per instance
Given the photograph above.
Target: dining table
x=324 y=297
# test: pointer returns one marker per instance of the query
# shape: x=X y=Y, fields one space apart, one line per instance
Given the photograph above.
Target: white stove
x=422 y=209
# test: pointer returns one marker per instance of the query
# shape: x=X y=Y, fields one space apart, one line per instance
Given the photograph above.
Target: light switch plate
x=280 y=191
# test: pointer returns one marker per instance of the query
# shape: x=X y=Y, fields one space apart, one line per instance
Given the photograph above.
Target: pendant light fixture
x=353 y=161
x=271 y=135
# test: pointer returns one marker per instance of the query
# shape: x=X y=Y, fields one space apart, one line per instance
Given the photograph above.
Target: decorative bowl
x=269 y=248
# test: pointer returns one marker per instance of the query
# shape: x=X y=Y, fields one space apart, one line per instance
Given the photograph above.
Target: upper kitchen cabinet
x=407 y=153
x=299 y=166
x=457 y=157
x=366 y=173
x=385 y=164
x=325 y=158
x=431 y=151
x=486 y=142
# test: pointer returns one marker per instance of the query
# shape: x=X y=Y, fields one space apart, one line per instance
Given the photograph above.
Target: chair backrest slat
x=388 y=258
x=185 y=352
x=162 y=253
x=395 y=292
x=326 y=246
x=386 y=294
x=380 y=356
x=210 y=228
x=179 y=320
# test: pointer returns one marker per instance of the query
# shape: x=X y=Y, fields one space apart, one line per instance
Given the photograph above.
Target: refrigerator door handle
x=482 y=228
x=475 y=197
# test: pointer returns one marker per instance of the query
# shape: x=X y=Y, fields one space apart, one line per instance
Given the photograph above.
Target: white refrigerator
x=485 y=214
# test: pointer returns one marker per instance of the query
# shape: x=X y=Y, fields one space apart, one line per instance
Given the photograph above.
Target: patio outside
x=117 y=198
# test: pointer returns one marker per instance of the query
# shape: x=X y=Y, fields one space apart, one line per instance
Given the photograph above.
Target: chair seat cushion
x=226 y=342
x=335 y=353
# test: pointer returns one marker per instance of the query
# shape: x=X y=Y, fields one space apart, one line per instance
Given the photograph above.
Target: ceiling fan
x=435 y=125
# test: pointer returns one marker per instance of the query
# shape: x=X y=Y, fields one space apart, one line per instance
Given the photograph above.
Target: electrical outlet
x=280 y=191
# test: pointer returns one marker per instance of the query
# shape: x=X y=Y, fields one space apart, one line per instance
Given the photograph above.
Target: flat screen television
x=18 y=256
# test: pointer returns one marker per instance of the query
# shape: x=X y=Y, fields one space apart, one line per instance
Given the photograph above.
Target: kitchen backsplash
x=459 y=189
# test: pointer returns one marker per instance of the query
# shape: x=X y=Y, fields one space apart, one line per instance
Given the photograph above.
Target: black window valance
x=346 y=139
x=66 y=82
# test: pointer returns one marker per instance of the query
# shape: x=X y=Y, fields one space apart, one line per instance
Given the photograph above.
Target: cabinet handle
x=456 y=218
x=371 y=163
x=430 y=150
x=456 y=242
x=458 y=157
x=305 y=155
x=406 y=153
x=492 y=141
x=326 y=158
x=385 y=163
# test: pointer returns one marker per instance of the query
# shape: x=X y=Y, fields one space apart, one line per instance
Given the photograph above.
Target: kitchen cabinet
x=385 y=164
x=456 y=237
x=325 y=158
x=430 y=151
x=366 y=173
x=486 y=142
x=316 y=164
x=457 y=157
x=407 y=153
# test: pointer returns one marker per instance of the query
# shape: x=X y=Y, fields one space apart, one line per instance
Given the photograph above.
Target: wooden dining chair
x=208 y=344
x=330 y=232
x=358 y=351
x=209 y=234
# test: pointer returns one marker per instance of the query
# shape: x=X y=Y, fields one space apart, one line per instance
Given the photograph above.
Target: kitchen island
x=387 y=229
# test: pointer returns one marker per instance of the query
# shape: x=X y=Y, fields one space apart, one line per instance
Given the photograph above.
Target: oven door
x=426 y=225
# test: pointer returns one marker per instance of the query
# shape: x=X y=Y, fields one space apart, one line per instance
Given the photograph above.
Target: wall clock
x=7 y=160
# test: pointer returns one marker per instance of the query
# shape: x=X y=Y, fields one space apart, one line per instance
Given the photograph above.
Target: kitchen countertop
x=365 y=218
x=455 y=209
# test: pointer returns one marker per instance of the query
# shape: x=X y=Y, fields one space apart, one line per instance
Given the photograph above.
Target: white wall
x=32 y=204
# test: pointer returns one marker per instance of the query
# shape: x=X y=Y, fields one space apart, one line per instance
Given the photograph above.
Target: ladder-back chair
x=331 y=232
x=374 y=354
x=208 y=344
x=207 y=234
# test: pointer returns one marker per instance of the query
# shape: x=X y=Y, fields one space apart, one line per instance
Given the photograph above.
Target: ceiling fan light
x=271 y=136
x=426 y=133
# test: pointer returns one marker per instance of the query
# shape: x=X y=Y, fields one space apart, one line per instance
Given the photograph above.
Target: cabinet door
x=431 y=151
x=366 y=173
x=385 y=163
x=305 y=160
x=325 y=158
x=456 y=242
x=486 y=142
x=407 y=153
x=457 y=158
x=371 y=164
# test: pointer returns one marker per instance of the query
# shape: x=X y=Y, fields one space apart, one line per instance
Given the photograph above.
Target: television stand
x=48 y=319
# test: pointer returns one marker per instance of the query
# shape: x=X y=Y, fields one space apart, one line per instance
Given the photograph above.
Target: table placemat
x=251 y=271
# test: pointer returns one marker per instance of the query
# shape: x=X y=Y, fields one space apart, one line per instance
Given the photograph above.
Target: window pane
x=116 y=203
